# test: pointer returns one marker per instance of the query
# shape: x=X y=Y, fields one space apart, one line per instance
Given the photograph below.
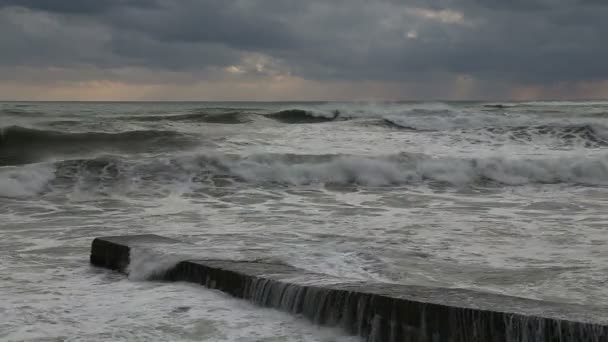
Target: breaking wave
x=25 y=181
x=579 y=104
x=396 y=124
x=297 y=116
x=113 y=173
x=564 y=103
x=588 y=135
x=21 y=145
x=404 y=169
x=237 y=116
x=233 y=117
x=498 y=106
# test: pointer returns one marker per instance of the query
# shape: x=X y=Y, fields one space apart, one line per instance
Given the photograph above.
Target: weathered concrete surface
x=378 y=312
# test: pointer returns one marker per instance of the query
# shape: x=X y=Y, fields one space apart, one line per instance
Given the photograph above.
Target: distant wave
x=584 y=134
x=589 y=135
x=298 y=116
x=391 y=123
x=20 y=145
x=197 y=172
x=564 y=103
x=498 y=106
x=23 y=135
x=17 y=111
x=444 y=119
x=233 y=117
x=545 y=104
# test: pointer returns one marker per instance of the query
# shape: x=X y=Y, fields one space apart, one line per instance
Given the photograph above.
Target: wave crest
x=588 y=135
x=270 y=170
x=21 y=145
x=232 y=117
x=298 y=116
x=407 y=169
x=25 y=181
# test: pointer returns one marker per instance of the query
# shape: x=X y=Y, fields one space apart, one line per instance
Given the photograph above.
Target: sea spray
x=468 y=206
x=25 y=181
x=150 y=264
x=197 y=171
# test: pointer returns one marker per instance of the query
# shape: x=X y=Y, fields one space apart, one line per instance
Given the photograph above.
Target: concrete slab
x=375 y=311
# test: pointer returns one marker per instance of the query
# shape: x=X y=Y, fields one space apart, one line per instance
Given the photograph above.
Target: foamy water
x=508 y=199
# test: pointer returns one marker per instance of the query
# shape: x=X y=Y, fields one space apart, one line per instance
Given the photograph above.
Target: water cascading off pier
x=375 y=311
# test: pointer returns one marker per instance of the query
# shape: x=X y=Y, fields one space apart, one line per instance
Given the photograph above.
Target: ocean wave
x=25 y=181
x=195 y=172
x=507 y=105
x=239 y=115
x=231 y=117
x=371 y=110
x=583 y=134
x=563 y=103
x=396 y=124
x=299 y=116
x=447 y=119
x=602 y=114
x=406 y=169
x=19 y=112
x=498 y=106
x=588 y=135
x=21 y=145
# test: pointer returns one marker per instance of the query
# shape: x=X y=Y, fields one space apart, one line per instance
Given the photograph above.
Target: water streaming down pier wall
x=377 y=312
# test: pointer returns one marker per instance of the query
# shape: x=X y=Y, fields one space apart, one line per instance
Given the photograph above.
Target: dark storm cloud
x=217 y=21
x=525 y=41
x=76 y=6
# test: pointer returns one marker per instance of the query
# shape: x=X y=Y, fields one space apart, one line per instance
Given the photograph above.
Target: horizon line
x=308 y=101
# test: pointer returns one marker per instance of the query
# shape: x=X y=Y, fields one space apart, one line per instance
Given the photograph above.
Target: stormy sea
x=506 y=198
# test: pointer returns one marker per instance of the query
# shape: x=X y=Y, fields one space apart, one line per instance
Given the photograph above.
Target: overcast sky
x=303 y=50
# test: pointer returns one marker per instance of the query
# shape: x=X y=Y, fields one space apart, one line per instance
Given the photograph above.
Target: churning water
x=503 y=198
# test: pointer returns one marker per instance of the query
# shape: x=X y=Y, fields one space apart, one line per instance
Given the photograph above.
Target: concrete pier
x=374 y=311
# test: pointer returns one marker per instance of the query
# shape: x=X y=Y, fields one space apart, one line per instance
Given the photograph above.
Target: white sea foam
x=149 y=263
x=245 y=200
x=471 y=119
x=183 y=174
x=24 y=180
x=75 y=303
x=399 y=170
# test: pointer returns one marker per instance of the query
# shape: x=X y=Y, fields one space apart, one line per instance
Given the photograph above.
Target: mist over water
x=506 y=198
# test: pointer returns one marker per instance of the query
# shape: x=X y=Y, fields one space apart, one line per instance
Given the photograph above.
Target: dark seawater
x=507 y=198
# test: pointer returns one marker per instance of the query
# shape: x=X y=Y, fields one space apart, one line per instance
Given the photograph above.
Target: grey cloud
x=216 y=21
x=525 y=41
x=77 y=6
x=134 y=49
x=34 y=38
x=37 y=38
